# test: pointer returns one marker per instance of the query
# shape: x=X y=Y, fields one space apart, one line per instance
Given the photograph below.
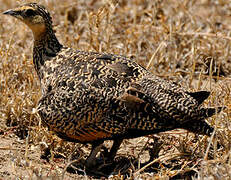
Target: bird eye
x=29 y=12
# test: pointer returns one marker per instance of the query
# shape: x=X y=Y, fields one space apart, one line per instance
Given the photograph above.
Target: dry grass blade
x=219 y=36
x=11 y=149
x=151 y=61
x=68 y=165
x=164 y=157
x=209 y=145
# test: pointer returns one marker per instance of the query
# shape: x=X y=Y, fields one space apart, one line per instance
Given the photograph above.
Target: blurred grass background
x=186 y=41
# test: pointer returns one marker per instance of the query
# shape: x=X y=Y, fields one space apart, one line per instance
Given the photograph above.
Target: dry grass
x=186 y=41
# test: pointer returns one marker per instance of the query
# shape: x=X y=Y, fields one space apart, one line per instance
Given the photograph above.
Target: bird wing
x=100 y=96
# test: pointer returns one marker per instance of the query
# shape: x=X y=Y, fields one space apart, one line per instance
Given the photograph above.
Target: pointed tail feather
x=208 y=112
x=199 y=96
x=199 y=127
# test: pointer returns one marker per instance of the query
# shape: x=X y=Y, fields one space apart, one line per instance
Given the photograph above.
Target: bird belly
x=81 y=135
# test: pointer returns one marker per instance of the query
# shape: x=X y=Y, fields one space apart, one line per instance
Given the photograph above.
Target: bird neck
x=46 y=46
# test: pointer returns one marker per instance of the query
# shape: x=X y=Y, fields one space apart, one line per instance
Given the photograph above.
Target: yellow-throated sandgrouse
x=91 y=97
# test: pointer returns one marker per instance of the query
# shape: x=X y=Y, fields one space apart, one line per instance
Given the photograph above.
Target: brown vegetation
x=185 y=41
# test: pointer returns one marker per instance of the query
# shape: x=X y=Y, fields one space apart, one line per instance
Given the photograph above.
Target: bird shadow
x=121 y=165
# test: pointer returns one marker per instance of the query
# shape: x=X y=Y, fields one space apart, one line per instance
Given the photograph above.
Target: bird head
x=35 y=16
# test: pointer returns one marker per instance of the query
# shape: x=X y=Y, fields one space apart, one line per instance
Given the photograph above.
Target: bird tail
x=199 y=127
x=208 y=112
x=199 y=96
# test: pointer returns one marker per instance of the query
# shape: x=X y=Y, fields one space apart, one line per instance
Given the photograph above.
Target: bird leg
x=91 y=160
x=114 y=149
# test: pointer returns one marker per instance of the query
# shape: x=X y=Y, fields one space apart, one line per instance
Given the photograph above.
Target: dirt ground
x=186 y=41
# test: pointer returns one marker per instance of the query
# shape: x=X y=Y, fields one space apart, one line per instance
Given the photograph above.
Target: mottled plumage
x=91 y=97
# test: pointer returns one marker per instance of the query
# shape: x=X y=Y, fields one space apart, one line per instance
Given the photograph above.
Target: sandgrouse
x=89 y=97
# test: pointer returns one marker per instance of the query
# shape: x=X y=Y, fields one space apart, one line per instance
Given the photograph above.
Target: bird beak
x=14 y=13
x=11 y=12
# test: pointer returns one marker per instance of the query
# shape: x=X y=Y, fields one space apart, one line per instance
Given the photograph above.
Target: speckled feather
x=89 y=97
